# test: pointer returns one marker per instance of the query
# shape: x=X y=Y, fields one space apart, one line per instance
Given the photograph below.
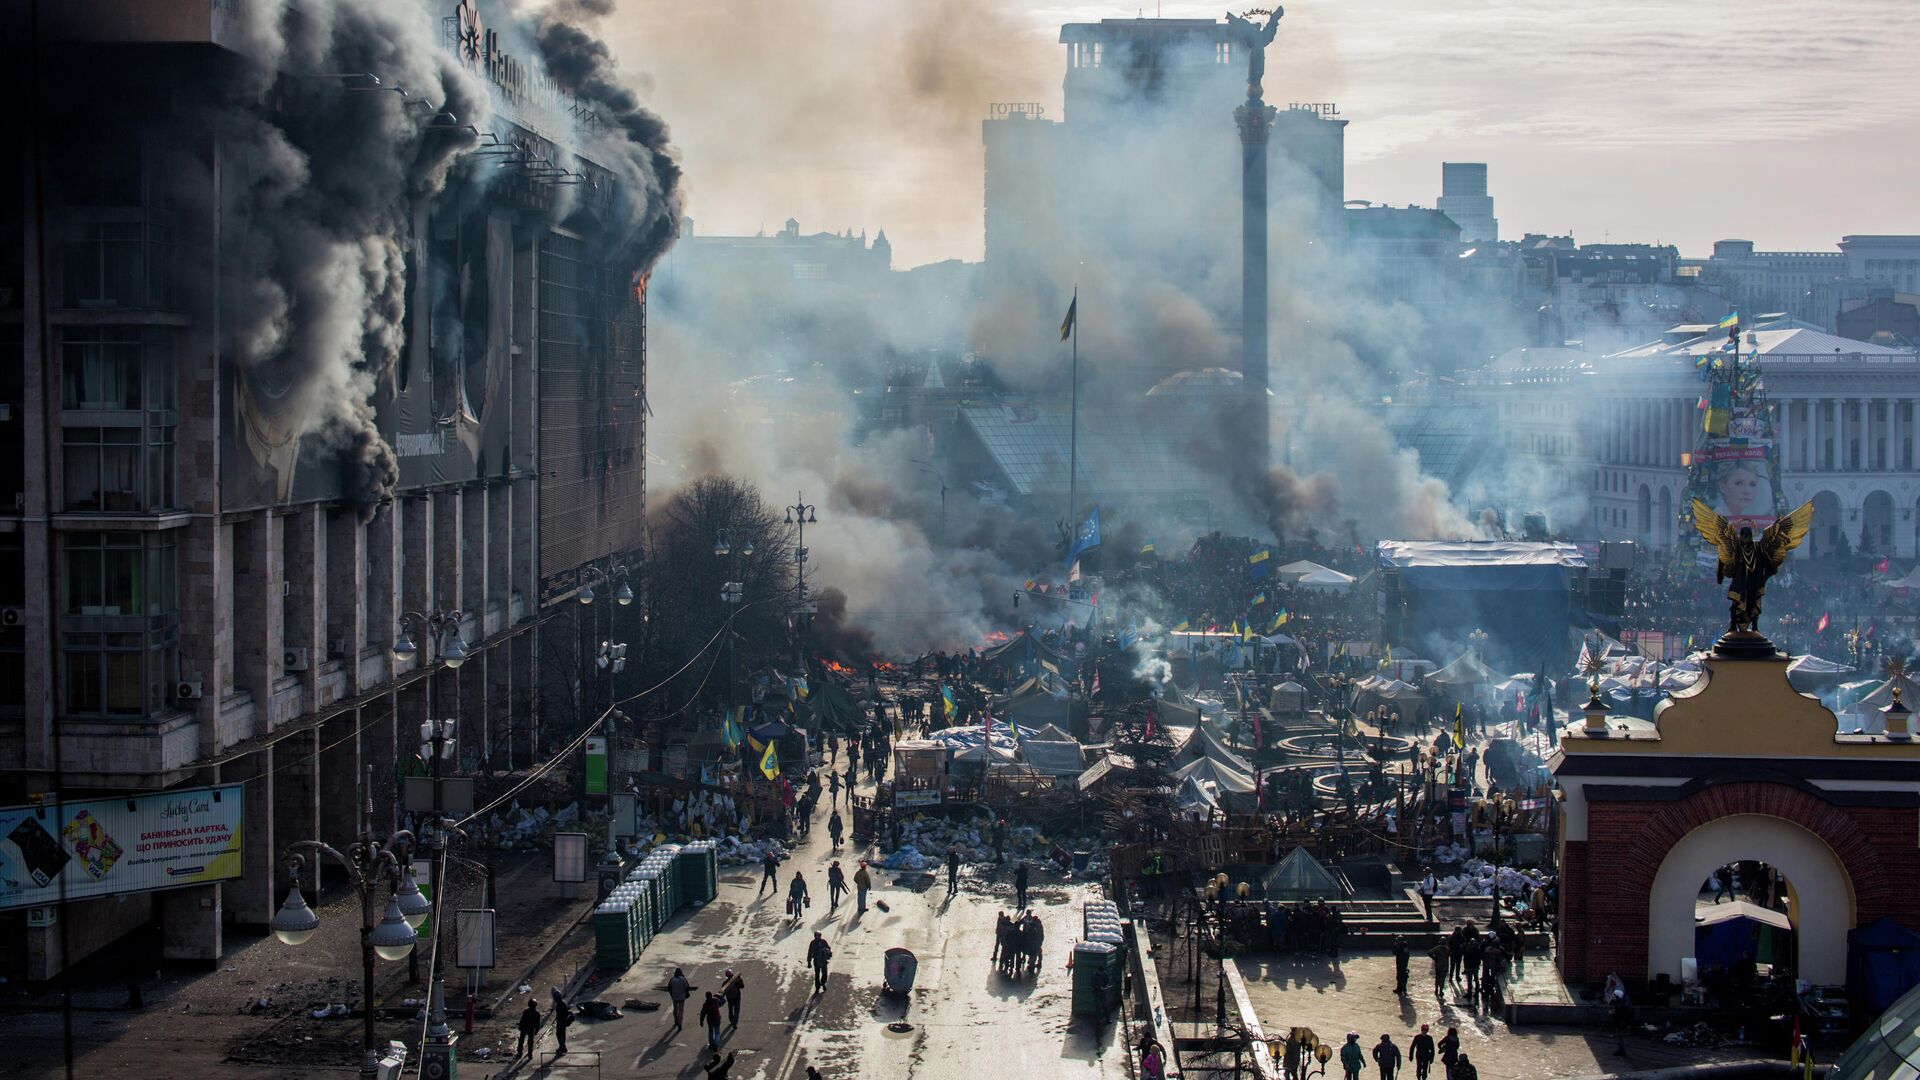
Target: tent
x=1288 y=697
x=1055 y=757
x=1463 y=676
x=1226 y=780
x=1022 y=654
x=1911 y=581
x=1196 y=798
x=1883 y=962
x=1040 y=700
x=1294 y=571
x=1394 y=696
x=1725 y=933
x=1324 y=580
x=1810 y=673
x=1865 y=712
x=1208 y=743
x=1049 y=733
x=834 y=707
x=1300 y=876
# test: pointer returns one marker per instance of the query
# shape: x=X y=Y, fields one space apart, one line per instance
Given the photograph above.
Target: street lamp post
x=732 y=545
x=368 y=863
x=441 y=632
x=800 y=515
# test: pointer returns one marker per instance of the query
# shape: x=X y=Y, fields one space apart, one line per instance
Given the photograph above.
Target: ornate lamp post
x=800 y=515
x=369 y=863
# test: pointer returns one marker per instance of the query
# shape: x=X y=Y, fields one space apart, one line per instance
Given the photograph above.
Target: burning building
x=328 y=316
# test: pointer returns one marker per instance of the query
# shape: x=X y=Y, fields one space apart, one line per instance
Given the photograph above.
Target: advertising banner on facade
x=99 y=847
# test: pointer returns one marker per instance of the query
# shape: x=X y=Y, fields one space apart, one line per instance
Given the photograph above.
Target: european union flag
x=1087 y=538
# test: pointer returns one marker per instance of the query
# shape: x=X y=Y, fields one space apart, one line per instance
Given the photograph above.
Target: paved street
x=784 y=1028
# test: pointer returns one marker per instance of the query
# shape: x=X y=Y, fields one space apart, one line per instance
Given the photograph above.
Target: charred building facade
x=288 y=356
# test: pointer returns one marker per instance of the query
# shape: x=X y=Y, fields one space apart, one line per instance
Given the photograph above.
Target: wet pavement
x=968 y=1020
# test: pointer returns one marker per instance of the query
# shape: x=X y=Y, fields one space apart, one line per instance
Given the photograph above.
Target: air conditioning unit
x=293 y=659
x=187 y=690
x=336 y=648
x=12 y=616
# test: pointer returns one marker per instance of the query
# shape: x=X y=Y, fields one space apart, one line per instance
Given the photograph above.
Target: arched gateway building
x=1737 y=767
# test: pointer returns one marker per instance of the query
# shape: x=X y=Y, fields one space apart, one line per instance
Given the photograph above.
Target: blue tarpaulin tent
x=1883 y=962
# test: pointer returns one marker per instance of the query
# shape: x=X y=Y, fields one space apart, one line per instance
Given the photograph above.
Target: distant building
x=1410 y=254
x=1607 y=297
x=1464 y=198
x=1762 y=282
x=1885 y=318
x=1138 y=92
x=1890 y=261
x=1610 y=431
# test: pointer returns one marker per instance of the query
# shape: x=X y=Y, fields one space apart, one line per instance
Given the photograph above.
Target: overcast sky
x=1681 y=121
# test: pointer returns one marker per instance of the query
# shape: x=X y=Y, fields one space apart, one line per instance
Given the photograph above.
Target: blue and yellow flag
x=1459 y=728
x=1279 y=620
x=1073 y=312
x=1146 y=548
x=1259 y=598
x=1185 y=624
x=946 y=701
x=1246 y=633
x=1259 y=556
x=1732 y=319
x=734 y=728
x=769 y=762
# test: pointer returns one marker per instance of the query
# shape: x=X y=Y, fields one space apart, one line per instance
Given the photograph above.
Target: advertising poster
x=99 y=847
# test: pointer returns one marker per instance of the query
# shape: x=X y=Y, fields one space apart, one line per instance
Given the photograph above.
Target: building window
x=1223 y=52
x=120 y=651
x=120 y=573
x=117 y=395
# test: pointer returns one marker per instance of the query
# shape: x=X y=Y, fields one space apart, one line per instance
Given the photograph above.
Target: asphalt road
x=968 y=1020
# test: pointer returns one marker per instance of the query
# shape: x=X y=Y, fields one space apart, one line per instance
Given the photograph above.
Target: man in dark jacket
x=1421 y=1051
x=529 y=1029
x=678 y=990
x=1020 y=886
x=717 y=1069
x=730 y=986
x=770 y=865
x=562 y=1018
x=1387 y=1056
x=1402 y=958
x=1449 y=1048
x=1464 y=1070
x=1440 y=955
x=818 y=953
x=953 y=870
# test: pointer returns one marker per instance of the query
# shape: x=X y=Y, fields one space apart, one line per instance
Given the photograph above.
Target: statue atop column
x=1243 y=32
x=1745 y=563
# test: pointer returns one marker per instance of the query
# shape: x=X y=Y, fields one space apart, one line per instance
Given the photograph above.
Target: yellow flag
x=769 y=762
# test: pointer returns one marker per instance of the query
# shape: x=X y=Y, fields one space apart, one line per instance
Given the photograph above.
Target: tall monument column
x=1255 y=120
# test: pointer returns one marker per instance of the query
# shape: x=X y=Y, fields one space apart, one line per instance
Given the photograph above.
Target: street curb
x=1750 y=1067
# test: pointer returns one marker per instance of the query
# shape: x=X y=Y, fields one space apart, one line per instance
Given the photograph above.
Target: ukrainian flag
x=1184 y=625
x=1259 y=598
x=1146 y=548
x=1258 y=556
x=946 y=701
x=1732 y=319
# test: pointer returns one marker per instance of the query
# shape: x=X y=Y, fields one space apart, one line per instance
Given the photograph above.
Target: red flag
x=1881 y=566
x=1821 y=628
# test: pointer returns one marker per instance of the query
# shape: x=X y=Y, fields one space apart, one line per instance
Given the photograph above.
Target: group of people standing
x=1422 y=1051
x=1470 y=956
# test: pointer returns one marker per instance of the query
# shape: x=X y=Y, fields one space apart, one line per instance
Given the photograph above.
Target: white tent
x=1294 y=571
x=1289 y=696
x=1910 y=581
x=1325 y=580
x=1865 y=714
x=1196 y=798
x=1226 y=779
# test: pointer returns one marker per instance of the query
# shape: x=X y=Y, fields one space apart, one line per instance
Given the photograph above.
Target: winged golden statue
x=1747 y=563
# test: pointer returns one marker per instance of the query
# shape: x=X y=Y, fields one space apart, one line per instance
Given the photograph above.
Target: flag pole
x=1073 y=423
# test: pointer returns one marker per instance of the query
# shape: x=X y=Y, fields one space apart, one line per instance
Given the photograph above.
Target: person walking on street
x=1421 y=1051
x=862 y=881
x=1450 y=1050
x=529 y=1030
x=1020 y=886
x=818 y=953
x=833 y=786
x=836 y=885
x=953 y=869
x=710 y=1016
x=1387 y=1056
x=1439 y=954
x=730 y=986
x=562 y=1019
x=834 y=828
x=678 y=990
x=797 y=898
x=1352 y=1058
x=770 y=868
x=1402 y=958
